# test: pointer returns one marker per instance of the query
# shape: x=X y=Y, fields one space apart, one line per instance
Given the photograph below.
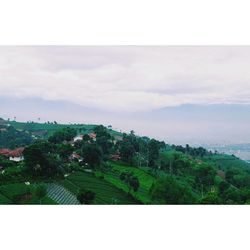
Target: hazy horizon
x=195 y=94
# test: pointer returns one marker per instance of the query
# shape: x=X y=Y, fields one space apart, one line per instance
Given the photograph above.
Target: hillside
x=47 y=129
x=104 y=166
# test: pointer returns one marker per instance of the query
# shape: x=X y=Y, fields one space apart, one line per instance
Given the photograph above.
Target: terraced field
x=146 y=180
x=4 y=200
x=106 y=193
x=61 y=195
x=11 y=193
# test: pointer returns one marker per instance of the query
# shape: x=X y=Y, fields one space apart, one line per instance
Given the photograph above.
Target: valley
x=73 y=164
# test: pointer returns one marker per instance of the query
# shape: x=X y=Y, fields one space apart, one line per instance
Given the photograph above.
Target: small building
x=117 y=138
x=13 y=155
x=77 y=157
x=78 y=138
x=115 y=157
x=16 y=155
x=92 y=136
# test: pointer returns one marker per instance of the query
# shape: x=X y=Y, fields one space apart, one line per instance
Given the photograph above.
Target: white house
x=16 y=155
x=16 y=158
x=78 y=138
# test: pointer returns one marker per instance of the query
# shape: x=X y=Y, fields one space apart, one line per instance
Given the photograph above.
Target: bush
x=86 y=196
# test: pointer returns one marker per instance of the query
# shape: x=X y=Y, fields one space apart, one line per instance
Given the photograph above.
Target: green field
x=146 y=180
x=4 y=200
x=51 y=127
x=227 y=161
x=10 y=192
x=105 y=192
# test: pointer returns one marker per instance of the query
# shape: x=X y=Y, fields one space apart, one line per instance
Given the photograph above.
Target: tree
x=92 y=154
x=65 y=134
x=211 y=198
x=168 y=190
x=153 y=150
x=64 y=151
x=101 y=131
x=41 y=192
x=40 y=159
x=127 y=151
x=131 y=181
x=233 y=196
x=104 y=143
x=223 y=186
x=205 y=175
x=134 y=183
x=85 y=196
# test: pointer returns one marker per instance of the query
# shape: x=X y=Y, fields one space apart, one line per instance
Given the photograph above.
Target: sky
x=130 y=87
x=127 y=78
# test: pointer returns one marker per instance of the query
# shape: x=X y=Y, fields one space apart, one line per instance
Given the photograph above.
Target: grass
x=227 y=161
x=106 y=193
x=146 y=180
x=10 y=194
x=45 y=201
x=51 y=128
x=4 y=200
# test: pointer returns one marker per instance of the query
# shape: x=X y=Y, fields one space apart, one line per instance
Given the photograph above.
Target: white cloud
x=128 y=78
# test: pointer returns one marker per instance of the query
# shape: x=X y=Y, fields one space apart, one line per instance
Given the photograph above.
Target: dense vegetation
x=114 y=168
x=12 y=138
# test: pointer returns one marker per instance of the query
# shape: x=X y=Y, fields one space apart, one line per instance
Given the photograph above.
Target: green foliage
x=127 y=151
x=65 y=134
x=105 y=193
x=85 y=196
x=153 y=152
x=40 y=159
x=211 y=198
x=205 y=175
x=15 y=191
x=12 y=138
x=64 y=151
x=150 y=171
x=41 y=192
x=196 y=152
x=92 y=155
x=101 y=131
x=169 y=190
x=131 y=180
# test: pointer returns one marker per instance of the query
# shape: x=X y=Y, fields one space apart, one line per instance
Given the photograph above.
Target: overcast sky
x=134 y=78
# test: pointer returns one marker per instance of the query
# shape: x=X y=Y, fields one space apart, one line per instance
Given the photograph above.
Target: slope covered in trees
x=106 y=167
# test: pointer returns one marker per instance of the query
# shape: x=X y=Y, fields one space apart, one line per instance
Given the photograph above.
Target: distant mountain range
x=194 y=124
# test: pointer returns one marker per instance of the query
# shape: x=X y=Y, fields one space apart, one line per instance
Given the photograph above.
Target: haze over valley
x=194 y=95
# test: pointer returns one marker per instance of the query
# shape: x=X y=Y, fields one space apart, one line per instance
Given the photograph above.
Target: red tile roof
x=75 y=155
x=12 y=153
x=92 y=135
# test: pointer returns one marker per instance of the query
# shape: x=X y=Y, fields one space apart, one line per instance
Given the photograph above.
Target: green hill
x=110 y=169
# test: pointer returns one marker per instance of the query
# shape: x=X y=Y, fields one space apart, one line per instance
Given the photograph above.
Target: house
x=115 y=157
x=78 y=138
x=39 y=133
x=77 y=157
x=117 y=138
x=16 y=155
x=92 y=136
x=13 y=155
x=4 y=152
